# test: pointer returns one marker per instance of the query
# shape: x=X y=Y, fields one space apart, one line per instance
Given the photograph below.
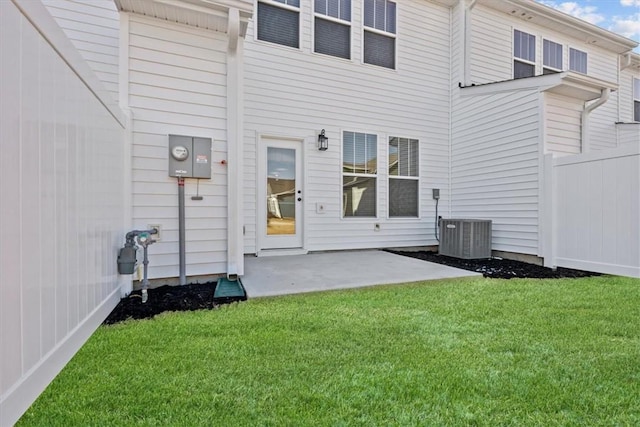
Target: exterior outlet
x=158 y=227
x=376 y=227
x=320 y=208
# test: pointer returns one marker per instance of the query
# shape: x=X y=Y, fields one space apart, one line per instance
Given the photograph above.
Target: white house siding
x=492 y=47
x=563 y=124
x=61 y=210
x=626 y=93
x=296 y=93
x=93 y=28
x=177 y=85
x=495 y=165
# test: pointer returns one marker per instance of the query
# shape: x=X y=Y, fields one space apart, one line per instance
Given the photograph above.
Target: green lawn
x=450 y=352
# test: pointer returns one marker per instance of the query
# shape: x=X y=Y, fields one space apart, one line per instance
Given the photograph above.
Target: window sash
x=380 y=15
x=552 y=55
x=279 y=24
x=578 y=61
x=524 y=46
x=523 y=69
x=379 y=49
x=332 y=37
x=403 y=197
x=339 y=9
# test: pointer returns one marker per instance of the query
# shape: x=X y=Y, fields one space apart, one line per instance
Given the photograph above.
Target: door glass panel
x=281 y=191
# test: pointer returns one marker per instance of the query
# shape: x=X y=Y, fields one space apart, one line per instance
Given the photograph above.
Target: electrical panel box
x=189 y=156
x=465 y=238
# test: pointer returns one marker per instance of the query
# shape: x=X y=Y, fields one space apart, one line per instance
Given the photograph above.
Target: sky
x=619 y=16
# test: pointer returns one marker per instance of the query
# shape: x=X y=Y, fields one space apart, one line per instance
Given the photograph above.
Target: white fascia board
x=568 y=83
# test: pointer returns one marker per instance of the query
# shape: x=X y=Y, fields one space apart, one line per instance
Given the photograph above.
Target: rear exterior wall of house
x=293 y=93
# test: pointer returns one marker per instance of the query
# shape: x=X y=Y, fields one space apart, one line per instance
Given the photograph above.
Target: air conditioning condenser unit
x=465 y=238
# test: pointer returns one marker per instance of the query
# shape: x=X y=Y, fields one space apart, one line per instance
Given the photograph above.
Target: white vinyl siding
x=563 y=125
x=380 y=33
x=61 y=209
x=332 y=28
x=93 y=27
x=279 y=22
x=524 y=54
x=578 y=61
x=636 y=100
x=178 y=86
x=404 y=173
x=495 y=166
x=295 y=94
x=492 y=48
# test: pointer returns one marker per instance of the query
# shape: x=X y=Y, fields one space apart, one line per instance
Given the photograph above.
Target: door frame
x=263 y=140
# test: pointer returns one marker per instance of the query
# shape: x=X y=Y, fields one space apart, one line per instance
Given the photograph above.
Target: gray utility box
x=465 y=238
x=189 y=156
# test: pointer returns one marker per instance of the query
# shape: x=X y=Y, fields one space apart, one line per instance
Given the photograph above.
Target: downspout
x=604 y=97
x=467 y=42
x=626 y=62
x=235 y=260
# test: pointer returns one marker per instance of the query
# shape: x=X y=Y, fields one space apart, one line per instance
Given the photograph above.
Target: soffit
x=206 y=14
x=531 y=11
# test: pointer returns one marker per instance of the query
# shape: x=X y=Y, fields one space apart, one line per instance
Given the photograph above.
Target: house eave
x=206 y=14
x=537 y=13
x=570 y=84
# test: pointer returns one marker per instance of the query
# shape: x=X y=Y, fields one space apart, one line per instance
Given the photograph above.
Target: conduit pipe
x=604 y=97
x=466 y=58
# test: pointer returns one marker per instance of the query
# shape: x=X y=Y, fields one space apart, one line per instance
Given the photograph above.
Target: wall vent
x=465 y=238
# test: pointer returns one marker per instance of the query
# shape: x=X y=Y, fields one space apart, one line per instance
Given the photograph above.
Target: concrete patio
x=281 y=275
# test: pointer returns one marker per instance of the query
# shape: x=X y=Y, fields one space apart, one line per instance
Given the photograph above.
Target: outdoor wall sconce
x=323 y=141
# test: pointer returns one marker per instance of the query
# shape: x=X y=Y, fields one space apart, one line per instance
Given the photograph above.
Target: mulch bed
x=200 y=296
x=498 y=268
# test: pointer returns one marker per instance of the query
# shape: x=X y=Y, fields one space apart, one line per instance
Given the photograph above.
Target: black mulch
x=163 y=298
x=200 y=296
x=498 y=268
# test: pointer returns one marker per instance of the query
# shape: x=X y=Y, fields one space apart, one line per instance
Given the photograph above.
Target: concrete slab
x=281 y=275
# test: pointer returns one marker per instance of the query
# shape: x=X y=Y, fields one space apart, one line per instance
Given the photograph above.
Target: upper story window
x=279 y=22
x=380 y=33
x=403 y=177
x=524 y=55
x=636 y=100
x=578 y=61
x=359 y=174
x=332 y=28
x=551 y=57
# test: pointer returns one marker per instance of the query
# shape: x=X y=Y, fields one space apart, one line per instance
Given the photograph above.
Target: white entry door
x=282 y=197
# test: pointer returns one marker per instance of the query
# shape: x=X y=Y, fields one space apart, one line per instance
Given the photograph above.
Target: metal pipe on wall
x=181 y=232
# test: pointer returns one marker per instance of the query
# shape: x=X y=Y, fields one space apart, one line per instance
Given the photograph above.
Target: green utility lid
x=229 y=291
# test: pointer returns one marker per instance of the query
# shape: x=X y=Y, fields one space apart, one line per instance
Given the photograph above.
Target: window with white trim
x=636 y=100
x=332 y=28
x=524 y=54
x=551 y=57
x=380 y=33
x=577 y=60
x=359 y=174
x=403 y=177
x=279 y=22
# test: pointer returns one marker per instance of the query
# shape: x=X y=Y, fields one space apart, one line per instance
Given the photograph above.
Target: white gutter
x=467 y=42
x=604 y=97
x=235 y=248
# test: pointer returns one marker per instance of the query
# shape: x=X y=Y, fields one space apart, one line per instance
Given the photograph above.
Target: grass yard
x=451 y=352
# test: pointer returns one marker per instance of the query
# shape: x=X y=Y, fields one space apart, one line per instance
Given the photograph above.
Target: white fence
x=592 y=211
x=61 y=206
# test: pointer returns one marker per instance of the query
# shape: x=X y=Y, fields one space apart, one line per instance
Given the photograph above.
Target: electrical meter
x=189 y=156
